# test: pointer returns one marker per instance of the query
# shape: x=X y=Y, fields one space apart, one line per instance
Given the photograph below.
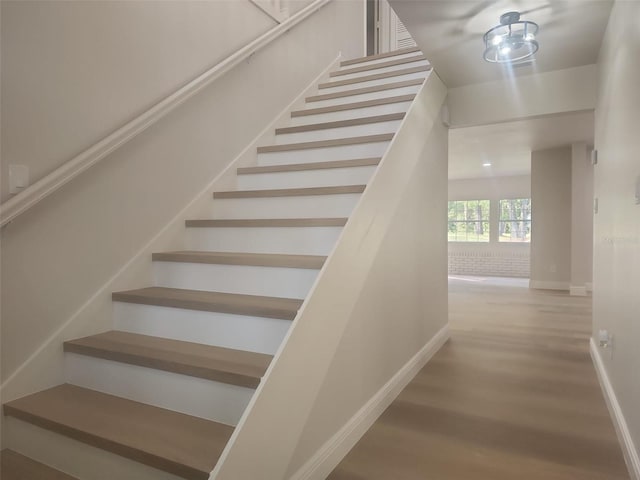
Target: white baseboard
x=334 y=450
x=631 y=456
x=578 y=291
x=545 y=285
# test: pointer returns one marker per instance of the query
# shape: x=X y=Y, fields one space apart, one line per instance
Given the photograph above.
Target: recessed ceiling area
x=449 y=32
x=507 y=146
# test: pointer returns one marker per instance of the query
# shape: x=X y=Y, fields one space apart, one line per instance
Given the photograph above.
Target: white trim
x=630 y=452
x=589 y=286
x=176 y=223
x=545 y=285
x=577 y=291
x=334 y=450
x=74 y=167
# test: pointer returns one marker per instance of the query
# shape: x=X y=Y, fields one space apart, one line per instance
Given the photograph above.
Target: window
x=515 y=220
x=469 y=221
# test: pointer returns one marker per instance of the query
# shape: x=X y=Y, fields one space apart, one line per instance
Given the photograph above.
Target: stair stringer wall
x=95 y=236
x=379 y=299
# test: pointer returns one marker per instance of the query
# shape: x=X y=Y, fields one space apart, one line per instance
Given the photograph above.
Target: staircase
x=159 y=396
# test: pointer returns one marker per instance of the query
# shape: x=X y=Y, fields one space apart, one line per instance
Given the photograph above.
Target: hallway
x=513 y=394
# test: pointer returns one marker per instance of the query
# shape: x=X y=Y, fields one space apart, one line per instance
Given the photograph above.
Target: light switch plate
x=18 y=178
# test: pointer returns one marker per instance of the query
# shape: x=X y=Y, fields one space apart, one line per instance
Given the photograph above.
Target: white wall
x=551 y=218
x=401 y=306
x=64 y=250
x=559 y=91
x=492 y=258
x=616 y=295
x=72 y=72
x=581 y=219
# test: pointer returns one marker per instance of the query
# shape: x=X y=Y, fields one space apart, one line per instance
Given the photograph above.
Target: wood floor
x=512 y=395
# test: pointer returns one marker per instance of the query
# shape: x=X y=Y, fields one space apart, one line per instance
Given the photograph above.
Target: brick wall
x=496 y=263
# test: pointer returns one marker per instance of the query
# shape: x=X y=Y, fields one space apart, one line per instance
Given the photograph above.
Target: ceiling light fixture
x=511 y=41
x=486 y=164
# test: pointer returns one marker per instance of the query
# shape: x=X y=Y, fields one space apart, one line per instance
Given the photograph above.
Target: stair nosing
x=90 y=435
x=171 y=298
x=290 y=192
x=375 y=66
x=354 y=106
x=295 y=167
x=401 y=51
x=377 y=76
x=364 y=90
x=338 y=142
x=352 y=122
x=162 y=354
x=267 y=223
x=313 y=262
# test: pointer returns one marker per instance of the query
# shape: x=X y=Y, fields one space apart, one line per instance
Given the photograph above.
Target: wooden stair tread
x=232 y=303
x=354 y=105
x=375 y=76
x=378 y=56
x=375 y=66
x=235 y=258
x=363 y=90
x=14 y=466
x=295 y=167
x=291 y=192
x=338 y=142
x=181 y=444
x=220 y=364
x=342 y=123
x=267 y=223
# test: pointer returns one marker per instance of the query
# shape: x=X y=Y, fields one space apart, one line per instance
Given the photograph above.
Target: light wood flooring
x=512 y=395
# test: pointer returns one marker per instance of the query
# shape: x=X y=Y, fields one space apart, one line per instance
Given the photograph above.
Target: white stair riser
x=342 y=152
x=215 y=401
x=239 y=332
x=382 y=60
x=363 y=97
x=327 y=177
x=370 y=83
x=292 y=240
x=393 y=68
x=336 y=133
x=63 y=453
x=243 y=279
x=349 y=114
x=308 y=206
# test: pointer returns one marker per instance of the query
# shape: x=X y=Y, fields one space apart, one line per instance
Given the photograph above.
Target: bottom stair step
x=174 y=442
x=14 y=466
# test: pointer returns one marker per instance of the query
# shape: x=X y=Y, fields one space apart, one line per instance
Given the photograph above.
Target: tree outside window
x=468 y=221
x=515 y=220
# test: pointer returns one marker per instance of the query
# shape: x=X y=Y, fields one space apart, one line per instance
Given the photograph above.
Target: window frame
x=526 y=222
x=485 y=221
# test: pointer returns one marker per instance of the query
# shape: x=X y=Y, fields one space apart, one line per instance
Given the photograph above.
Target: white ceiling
x=508 y=146
x=450 y=32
